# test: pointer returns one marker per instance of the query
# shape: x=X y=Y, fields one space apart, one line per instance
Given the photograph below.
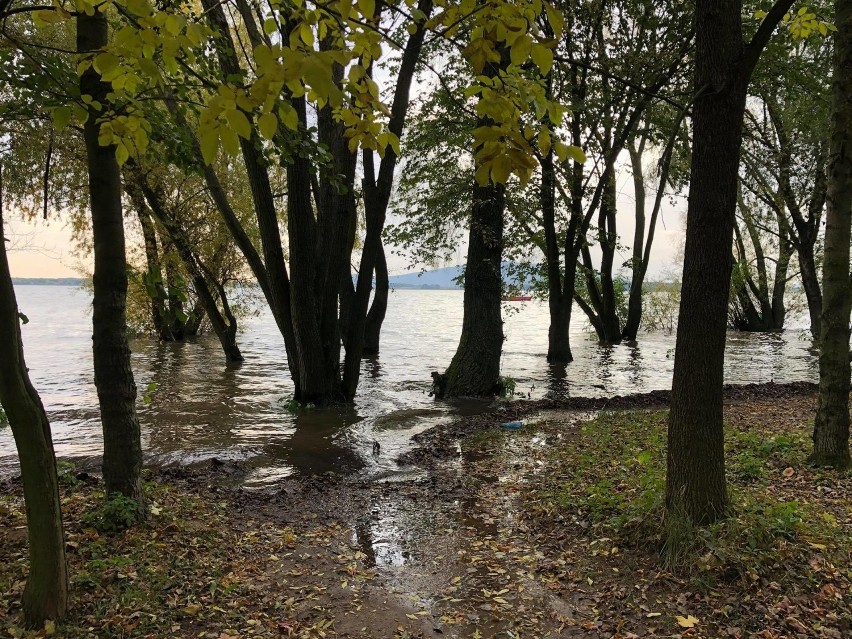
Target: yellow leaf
x=576 y=154
x=306 y=34
x=482 y=174
x=49 y=627
x=121 y=153
x=209 y=145
x=556 y=19
x=267 y=124
x=239 y=123
x=47 y=16
x=501 y=169
x=520 y=51
x=543 y=58
x=105 y=62
x=687 y=622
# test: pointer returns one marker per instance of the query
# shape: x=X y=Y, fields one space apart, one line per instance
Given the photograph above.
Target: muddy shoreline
x=448 y=552
x=439 y=442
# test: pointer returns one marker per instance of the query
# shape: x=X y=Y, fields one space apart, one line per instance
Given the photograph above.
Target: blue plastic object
x=512 y=425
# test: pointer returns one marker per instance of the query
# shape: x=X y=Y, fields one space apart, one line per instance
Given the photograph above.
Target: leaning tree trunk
x=813 y=292
x=475 y=368
x=224 y=323
x=695 y=480
x=831 y=426
x=46 y=593
x=379 y=306
x=122 y=461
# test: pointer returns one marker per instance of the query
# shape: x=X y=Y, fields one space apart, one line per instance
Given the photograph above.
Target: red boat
x=518 y=298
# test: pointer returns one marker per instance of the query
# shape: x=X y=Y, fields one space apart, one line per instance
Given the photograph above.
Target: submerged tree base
x=552 y=530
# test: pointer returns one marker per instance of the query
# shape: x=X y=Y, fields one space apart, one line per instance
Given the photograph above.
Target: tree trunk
x=475 y=368
x=559 y=300
x=379 y=307
x=122 y=460
x=154 y=274
x=813 y=292
x=46 y=593
x=831 y=426
x=376 y=189
x=695 y=480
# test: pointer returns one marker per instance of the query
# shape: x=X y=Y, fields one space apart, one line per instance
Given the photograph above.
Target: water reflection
x=203 y=408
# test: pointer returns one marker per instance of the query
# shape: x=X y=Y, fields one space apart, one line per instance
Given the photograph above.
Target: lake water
x=203 y=408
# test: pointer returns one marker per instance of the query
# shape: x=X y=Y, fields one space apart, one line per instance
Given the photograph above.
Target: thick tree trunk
x=271 y=272
x=779 y=284
x=475 y=368
x=831 y=426
x=608 y=235
x=378 y=308
x=318 y=386
x=46 y=592
x=637 y=266
x=376 y=190
x=122 y=461
x=695 y=480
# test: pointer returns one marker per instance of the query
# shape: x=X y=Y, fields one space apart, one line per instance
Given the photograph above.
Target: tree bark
x=154 y=275
x=122 y=460
x=475 y=368
x=831 y=426
x=559 y=300
x=376 y=190
x=379 y=307
x=46 y=592
x=695 y=480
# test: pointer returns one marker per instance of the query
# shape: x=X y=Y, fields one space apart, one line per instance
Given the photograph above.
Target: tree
x=783 y=175
x=831 y=426
x=695 y=479
x=46 y=592
x=122 y=460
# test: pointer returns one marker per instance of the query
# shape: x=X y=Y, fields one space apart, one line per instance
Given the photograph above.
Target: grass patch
x=613 y=485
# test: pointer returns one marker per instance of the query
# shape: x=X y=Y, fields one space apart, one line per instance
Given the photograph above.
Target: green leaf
x=61 y=117
x=367 y=8
x=230 y=141
x=576 y=154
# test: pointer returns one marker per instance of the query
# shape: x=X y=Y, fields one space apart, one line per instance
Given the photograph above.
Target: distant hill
x=47 y=281
x=445 y=278
x=441 y=278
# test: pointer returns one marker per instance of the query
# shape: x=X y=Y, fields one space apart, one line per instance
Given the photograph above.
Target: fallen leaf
x=687 y=622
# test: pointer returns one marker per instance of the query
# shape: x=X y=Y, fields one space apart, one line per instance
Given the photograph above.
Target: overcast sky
x=43 y=248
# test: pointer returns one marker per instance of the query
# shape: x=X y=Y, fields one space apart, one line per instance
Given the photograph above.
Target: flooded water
x=203 y=408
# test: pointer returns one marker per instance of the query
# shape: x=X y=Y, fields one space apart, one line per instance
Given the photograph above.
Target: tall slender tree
x=831 y=426
x=122 y=461
x=46 y=592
